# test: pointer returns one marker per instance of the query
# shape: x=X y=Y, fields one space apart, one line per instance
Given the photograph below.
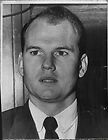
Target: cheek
x=68 y=68
x=31 y=66
x=70 y=75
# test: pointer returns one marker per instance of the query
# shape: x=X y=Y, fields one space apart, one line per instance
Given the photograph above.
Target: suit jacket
x=18 y=123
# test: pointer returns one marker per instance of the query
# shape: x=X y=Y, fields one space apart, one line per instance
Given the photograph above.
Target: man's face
x=51 y=60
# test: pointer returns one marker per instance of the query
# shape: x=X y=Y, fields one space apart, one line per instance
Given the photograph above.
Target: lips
x=48 y=80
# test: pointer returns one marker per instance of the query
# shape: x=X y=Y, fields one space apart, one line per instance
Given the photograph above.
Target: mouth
x=48 y=80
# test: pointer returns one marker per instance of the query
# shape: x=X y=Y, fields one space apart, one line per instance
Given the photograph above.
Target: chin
x=49 y=100
x=49 y=97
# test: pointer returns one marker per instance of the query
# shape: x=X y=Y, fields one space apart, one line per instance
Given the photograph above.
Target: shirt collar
x=38 y=116
x=66 y=118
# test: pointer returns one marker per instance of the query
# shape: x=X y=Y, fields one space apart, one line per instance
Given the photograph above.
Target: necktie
x=50 y=125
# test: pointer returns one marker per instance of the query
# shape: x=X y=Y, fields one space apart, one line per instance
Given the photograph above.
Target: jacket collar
x=26 y=127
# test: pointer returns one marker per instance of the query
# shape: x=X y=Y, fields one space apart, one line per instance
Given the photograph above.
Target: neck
x=52 y=109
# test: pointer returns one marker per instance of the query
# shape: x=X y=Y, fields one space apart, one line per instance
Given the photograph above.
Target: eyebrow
x=56 y=49
x=32 y=47
x=65 y=47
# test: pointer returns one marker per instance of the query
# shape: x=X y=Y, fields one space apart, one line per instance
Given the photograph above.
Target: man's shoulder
x=97 y=113
x=17 y=123
x=102 y=119
x=97 y=116
x=9 y=115
x=8 y=118
x=11 y=110
x=95 y=121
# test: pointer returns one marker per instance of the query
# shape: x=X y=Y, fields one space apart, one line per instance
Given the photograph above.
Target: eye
x=35 y=52
x=61 y=53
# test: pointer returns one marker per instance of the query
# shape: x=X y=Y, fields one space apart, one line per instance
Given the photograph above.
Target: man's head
x=52 y=56
x=56 y=15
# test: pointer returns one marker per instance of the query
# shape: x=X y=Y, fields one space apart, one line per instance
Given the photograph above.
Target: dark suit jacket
x=18 y=123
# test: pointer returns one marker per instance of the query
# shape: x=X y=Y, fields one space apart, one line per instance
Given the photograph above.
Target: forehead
x=41 y=29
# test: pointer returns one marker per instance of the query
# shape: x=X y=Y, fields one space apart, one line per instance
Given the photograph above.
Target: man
x=52 y=59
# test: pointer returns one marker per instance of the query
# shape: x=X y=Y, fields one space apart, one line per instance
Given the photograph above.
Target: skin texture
x=50 y=65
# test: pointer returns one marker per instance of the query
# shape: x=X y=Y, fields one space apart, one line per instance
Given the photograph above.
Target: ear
x=20 y=64
x=83 y=65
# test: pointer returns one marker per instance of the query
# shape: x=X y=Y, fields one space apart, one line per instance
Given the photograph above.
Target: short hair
x=55 y=15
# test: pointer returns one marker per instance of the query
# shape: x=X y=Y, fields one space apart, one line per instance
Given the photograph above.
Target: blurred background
x=92 y=88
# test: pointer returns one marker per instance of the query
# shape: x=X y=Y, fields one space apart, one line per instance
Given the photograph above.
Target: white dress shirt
x=67 y=121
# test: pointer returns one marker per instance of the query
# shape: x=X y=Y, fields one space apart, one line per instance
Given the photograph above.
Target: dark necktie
x=50 y=125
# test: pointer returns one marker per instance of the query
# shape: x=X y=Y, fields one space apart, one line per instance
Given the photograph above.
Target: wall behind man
x=92 y=88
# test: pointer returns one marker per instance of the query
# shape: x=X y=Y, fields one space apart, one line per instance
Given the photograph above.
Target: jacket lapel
x=23 y=125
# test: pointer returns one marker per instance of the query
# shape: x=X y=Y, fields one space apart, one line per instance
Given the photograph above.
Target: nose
x=48 y=64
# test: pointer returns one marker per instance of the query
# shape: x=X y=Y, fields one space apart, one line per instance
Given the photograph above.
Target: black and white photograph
x=54 y=69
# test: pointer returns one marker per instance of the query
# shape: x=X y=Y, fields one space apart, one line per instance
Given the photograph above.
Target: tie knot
x=50 y=124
